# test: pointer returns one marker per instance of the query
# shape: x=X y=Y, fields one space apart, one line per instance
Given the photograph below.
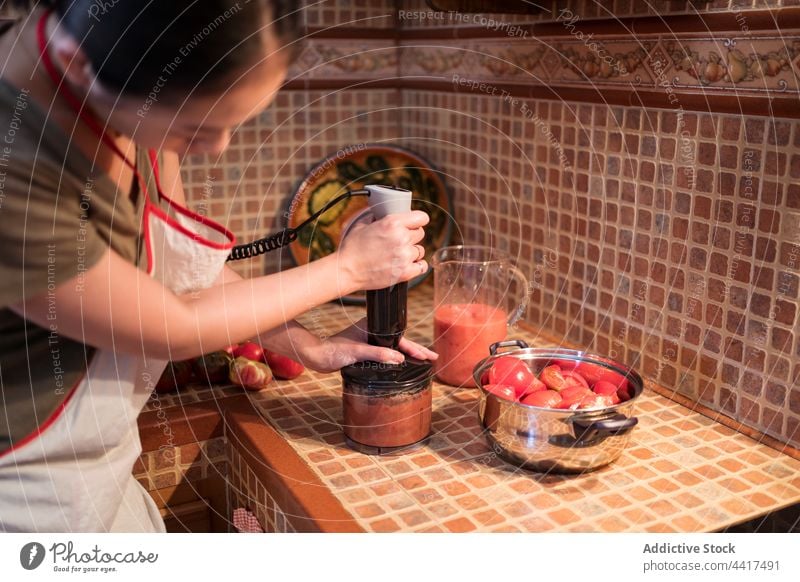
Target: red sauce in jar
x=462 y=335
x=392 y=419
x=386 y=406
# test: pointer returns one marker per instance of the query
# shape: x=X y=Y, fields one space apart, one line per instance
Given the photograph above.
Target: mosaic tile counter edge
x=682 y=472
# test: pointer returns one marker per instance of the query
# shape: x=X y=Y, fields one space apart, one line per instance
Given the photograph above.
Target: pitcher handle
x=519 y=311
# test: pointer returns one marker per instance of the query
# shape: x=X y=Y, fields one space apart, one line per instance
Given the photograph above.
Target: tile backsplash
x=664 y=237
x=671 y=242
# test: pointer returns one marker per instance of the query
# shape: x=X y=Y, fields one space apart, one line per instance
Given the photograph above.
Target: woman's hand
x=385 y=252
x=350 y=346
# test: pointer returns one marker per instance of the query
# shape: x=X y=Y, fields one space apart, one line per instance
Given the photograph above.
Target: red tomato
x=501 y=391
x=625 y=393
x=231 y=350
x=250 y=350
x=594 y=373
x=510 y=371
x=595 y=401
x=543 y=398
x=564 y=364
x=571 y=397
x=606 y=389
x=553 y=378
x=283 y=367
x=250 y=374
x=571 y=376
x=536 y=385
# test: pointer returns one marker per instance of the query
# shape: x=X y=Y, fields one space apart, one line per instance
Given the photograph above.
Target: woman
x=104 y=274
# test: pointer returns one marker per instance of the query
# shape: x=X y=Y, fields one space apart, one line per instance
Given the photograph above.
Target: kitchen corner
x=282 y=455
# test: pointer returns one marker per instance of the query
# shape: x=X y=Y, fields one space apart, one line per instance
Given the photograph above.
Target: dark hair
x=193 y=45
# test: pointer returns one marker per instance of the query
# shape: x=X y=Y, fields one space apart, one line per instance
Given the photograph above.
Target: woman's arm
x=119 y=307
x=332 y=353
x=291 y=339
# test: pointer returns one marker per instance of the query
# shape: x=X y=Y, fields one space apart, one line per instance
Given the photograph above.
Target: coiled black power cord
x=287 y=235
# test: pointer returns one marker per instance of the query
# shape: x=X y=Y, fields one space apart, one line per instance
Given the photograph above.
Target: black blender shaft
x=386 y=315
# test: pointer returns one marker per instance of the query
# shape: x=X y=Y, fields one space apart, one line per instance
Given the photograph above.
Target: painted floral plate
x=353 y=168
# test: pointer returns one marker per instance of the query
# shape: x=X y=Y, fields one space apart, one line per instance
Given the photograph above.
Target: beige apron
x=74 y=473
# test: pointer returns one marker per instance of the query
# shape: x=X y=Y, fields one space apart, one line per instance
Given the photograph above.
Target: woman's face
x=201 y=123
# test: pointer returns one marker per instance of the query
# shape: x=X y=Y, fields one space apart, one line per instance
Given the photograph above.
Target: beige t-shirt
x=58 y=216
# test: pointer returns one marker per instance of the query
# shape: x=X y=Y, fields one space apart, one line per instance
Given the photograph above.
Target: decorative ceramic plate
x=352 y=168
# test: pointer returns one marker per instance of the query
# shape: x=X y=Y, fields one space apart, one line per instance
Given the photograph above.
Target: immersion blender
x=387 y=407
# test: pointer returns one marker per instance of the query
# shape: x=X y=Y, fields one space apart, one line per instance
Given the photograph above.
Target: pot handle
x=587 y=429
x=507 y=344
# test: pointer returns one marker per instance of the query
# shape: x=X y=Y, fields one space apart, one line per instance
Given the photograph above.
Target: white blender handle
x=386 y=200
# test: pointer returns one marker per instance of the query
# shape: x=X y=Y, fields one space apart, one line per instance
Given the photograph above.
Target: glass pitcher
x=478 y=293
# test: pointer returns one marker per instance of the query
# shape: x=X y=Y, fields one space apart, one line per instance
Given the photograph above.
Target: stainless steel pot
x=550 y=440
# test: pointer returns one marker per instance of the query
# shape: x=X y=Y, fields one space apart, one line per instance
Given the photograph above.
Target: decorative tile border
x=418 y=15
x=345 y=59
x=623 y=52
x=165 y=427
x=739 y=65
x=746 y=63
x=762 y=64
x=745 y=70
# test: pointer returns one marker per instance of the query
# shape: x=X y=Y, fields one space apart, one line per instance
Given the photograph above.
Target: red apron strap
x=85 y=115
x=154 y=163
x=153 y=154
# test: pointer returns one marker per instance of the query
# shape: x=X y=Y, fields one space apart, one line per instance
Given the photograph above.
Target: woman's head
x=156 y=68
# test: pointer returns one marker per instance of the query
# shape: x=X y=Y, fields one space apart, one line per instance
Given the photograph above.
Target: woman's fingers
x=416 y=350
x=414 y=270
x=359 y=350
x=368 y=353
x=387 y=251
x=417 y=235
x=413 y=220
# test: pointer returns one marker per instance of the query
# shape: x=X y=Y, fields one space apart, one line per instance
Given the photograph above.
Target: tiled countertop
x=681 y=472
